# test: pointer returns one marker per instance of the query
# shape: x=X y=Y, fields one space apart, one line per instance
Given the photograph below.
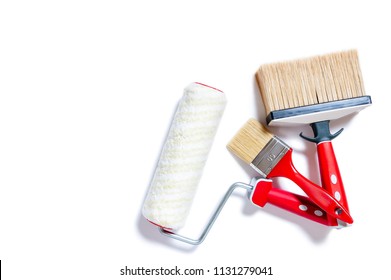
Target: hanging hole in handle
x=338 y=211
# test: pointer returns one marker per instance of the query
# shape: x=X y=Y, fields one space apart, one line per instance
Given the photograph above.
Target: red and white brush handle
x=331 y=176
x=285 y=168
x=329 y=171
x=300 y=205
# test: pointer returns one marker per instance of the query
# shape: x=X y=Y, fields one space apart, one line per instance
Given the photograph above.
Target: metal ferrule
x=269 y=156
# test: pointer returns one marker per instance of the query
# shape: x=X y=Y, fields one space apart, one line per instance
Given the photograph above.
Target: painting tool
x=314 y=91
x=184 y=155
x=271 y=157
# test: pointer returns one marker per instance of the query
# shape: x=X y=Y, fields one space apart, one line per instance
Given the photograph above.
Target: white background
x=87 y=92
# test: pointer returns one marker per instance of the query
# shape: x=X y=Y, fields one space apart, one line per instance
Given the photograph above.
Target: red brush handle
x=330 y=175
x=285 y=168
x=264 y=193
x=297 y=204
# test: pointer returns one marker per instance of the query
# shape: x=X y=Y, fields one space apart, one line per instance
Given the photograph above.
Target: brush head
x=312 y=89
x=249 y=141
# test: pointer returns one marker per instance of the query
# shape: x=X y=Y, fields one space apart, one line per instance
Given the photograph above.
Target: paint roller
x=183 y=156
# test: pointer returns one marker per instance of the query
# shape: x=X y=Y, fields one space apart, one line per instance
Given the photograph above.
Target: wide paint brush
x=314 y=91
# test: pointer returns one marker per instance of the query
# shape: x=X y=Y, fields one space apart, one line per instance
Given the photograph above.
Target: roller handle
x=263 y=193
x=285 y=168
x=297 y=204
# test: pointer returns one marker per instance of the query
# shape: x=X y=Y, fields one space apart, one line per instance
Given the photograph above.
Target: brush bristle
x=310 y=81
x=249 y=140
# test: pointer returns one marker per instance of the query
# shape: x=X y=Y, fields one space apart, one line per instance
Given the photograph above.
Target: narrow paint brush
x=271 y=157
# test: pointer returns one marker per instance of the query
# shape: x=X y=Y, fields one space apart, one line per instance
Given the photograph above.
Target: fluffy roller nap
x=183 y=156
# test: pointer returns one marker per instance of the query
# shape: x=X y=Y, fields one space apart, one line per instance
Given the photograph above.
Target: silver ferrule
x=269 y=156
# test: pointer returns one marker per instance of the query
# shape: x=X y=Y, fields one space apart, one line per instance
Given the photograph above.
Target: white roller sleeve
x=183 y=156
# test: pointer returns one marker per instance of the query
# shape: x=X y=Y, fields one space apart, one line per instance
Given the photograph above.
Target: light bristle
x=249 y=140
x=310 y=81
